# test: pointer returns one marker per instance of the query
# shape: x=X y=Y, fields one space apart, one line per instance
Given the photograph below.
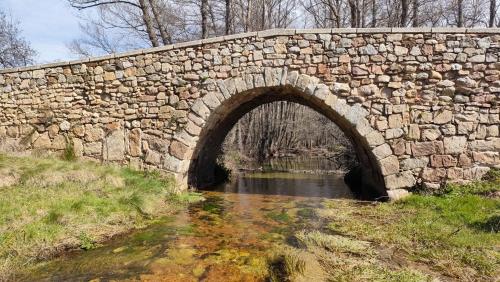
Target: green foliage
x=453 y=232
x=53 y=217
x=69 y=151
x=55 y=202
x=279 y=216
x=186 y=198
x=306 y=213
x=86 y=242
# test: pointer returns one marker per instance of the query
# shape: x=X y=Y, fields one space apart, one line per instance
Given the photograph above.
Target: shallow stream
x=228 y=237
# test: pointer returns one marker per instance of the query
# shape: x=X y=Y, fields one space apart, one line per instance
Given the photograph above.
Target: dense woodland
x=282 y=129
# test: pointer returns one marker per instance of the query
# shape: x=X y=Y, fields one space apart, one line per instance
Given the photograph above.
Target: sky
x=47 y=24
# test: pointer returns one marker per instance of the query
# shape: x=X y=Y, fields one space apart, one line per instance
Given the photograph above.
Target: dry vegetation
x=48 y=206
x=452 y=236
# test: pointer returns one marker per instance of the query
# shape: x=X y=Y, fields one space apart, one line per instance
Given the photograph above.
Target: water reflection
x=288 y=184
x=301 y=163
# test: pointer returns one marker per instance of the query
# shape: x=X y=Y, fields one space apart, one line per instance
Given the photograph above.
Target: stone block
x=393 y=133
x=443 y=117
x=419 y=149
x=211 y=101
x=114 y=146
x=382 y=151
x=485 y=145
x=178 y=149
x=92 y=149
x=455 y=144
x=397 y=194
x=135 y=142
x=486 y=158
x=430 y=134
x=389 y=165
x=43 y=142
x=443 y=161
x=414 y=163
x=374 y=138
x=414 y=132
x=404 y=179
x=200 y=109
x=395 y=121
x=153 y=157
x=433 y=174
x=94 y=134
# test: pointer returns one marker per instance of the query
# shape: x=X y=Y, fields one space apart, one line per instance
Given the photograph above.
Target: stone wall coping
x=261 y=34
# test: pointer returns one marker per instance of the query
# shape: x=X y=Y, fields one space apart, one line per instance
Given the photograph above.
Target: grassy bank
x=452 y=236
x=48 y=206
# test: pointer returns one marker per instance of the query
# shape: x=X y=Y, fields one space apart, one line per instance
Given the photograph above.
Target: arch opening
x=365 y=180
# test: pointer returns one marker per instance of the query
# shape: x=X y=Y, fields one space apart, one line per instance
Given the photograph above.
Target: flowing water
x=227 y=237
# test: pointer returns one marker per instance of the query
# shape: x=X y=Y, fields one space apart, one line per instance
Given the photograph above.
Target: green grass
x=451 y=234
x=281 y=216
x=56 y=205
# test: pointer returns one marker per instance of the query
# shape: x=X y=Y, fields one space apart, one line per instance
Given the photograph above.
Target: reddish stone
x=398 y=147
x=426 y=148
x=433 y=175
x=443 y=161
x=178 y=149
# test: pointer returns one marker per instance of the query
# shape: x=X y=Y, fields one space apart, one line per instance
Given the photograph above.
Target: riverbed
x=228 y=237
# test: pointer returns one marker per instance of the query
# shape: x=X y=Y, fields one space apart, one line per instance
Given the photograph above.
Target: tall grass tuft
x=69 y=151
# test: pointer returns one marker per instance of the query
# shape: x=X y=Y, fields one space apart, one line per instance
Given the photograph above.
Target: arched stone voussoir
x=200 y=109
x=211 y=100
x=248 y=90
x=355 y=114
x=307 y=84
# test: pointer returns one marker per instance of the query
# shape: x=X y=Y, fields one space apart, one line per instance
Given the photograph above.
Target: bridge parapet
x=431 y=95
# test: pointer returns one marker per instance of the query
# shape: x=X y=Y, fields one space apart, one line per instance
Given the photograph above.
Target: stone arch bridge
x=420 y=105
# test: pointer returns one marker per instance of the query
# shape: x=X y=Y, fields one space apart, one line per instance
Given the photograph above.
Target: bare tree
x=228 y=17
x=374 y=13
x=460 y=13
x=204 y=16
x=415 y=22
x=115 y=25
x=277 y=129
x=493 y=12
x=155 y=8
x=404 y=12
x=14 y=49
x=353 y=6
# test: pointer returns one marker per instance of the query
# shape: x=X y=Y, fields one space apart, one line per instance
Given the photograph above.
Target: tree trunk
x=263 y=16
x=228 y=17
x=374 y=13
x=163 y=33
x=149 y=24
x=404 y=12
x=353 y=10
x=415 y=13
x=460 y=13
x=204 y=19
x=493 y=7
x=247 y=16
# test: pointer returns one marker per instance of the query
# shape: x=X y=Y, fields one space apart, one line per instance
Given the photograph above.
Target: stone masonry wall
x=432 y=96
